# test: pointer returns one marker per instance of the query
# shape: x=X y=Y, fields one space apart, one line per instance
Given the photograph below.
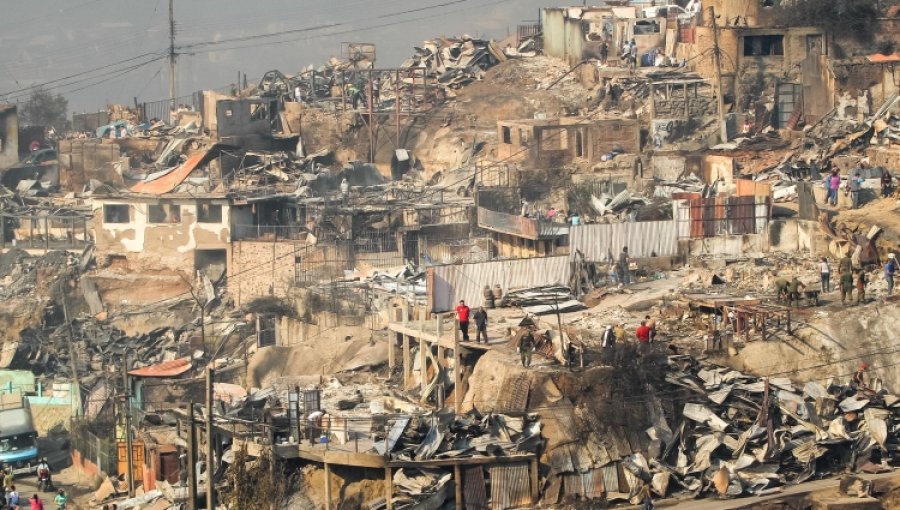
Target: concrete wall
x=159 y=245
x=83 y=160
x=9 y=136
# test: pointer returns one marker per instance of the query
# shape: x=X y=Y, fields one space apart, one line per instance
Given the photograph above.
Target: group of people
x=552 y=214
x=645 y=334
x=851 y=277
x=462 y=318
x=853 y=186
x=12 y=500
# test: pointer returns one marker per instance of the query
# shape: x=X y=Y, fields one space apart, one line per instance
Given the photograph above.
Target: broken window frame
x=770 y=45
x=163 y=214
x=206 y=214
x=114 y=213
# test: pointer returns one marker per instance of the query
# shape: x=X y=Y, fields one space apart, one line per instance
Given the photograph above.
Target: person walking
x=61 y=500
x=462 y=316
x=887 y=183
x=526 y=347
x=481 y=318
x=854 y=187
x=846 y=287
x=36 y=503
x=624 y=261
x=890 y=269
x=825 y=274
x=834 y=184
x=861 y=282
x=12 y=498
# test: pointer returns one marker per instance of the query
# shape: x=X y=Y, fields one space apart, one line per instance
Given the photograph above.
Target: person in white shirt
x=825 y=273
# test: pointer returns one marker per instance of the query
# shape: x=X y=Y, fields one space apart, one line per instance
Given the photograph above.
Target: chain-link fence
x=96 y=447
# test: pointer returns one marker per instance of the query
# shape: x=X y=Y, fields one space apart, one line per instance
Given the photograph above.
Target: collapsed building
x=308 y=238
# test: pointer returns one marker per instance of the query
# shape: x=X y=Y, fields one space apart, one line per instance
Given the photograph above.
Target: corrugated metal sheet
x=171 y=368
x=513 y=396
x=610 y=474
x=643 y=239
x=448 y=284
x=510 y=486
x=473 y=485
x=588 y=485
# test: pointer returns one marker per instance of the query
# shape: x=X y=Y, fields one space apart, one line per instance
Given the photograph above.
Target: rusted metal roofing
x=510 y=486
x=172 y=368
x=513 y=396
x=879 y=58
x=447 y=284
x=475 y=496
x=643 y=239
x=171 y=180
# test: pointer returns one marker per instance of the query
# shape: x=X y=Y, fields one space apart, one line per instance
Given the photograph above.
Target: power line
x=79 y=74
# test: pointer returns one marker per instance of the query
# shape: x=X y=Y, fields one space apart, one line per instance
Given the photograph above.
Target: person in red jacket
x=643 y=333
x=462 y=315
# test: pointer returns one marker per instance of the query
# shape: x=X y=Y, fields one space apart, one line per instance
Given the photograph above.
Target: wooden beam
x=534 y=481
x=327 y=487
x=389 y=488
x=457 y=377
x=457 y=482
x=423 y=363
x=407 y=362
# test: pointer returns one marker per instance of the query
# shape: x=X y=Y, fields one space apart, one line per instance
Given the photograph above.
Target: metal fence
x=697 y=218
x=100 y=449
x=268 y=232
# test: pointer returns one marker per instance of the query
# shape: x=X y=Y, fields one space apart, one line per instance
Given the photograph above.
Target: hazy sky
x=51 y=40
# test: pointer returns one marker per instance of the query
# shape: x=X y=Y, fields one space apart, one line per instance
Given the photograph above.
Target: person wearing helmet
x=44 y=467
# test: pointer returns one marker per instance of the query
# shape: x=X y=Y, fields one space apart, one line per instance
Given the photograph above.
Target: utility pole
x=210 y=496
x=129 y=454
x=192 y=460
x=73 y=363
x=172 y=52
x=719 y=96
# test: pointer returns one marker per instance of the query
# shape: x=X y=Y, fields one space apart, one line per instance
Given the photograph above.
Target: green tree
x=44 y=108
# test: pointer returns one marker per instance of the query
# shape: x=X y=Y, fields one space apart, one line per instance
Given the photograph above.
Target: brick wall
x=260 y=268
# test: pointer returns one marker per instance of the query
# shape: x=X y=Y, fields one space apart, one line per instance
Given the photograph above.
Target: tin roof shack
x=9 y=135
x=537 y=143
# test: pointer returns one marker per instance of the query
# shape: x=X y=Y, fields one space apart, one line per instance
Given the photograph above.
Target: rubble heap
x=741 y=434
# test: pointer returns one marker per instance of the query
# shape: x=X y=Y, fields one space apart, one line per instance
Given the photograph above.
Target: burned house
x=575 y=34
x=175 y=231
x=552 y=143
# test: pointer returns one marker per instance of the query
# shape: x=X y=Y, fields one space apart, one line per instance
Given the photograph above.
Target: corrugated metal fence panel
x=510 y=486
x=451 y=283
x=611 y=477
x=643 y=239
x=473 y=483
